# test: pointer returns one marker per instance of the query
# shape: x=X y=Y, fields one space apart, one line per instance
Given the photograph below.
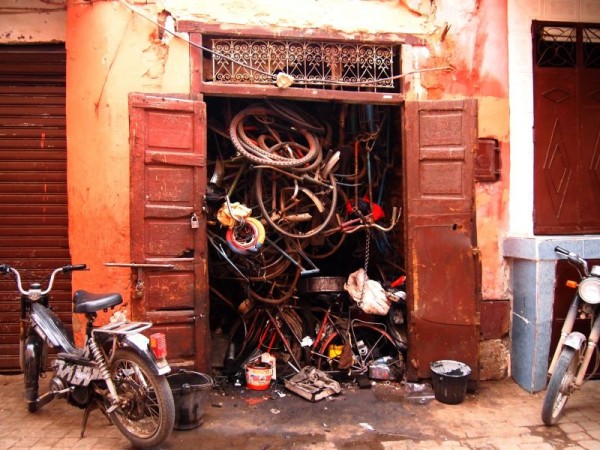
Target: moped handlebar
x=574 y=258
x=6 y=269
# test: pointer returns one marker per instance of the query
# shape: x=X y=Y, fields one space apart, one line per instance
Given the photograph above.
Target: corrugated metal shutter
x=33 y=190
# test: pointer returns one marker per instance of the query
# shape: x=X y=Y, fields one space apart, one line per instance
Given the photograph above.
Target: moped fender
x=141 y=345
x=575 y=340
x=32 y=353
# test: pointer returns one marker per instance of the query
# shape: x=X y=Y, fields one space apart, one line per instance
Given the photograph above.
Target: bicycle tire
x=277 y=218
x=255 y=153
x=297 y=116
x=380 y=344
x=331 y=239
x=278 y=289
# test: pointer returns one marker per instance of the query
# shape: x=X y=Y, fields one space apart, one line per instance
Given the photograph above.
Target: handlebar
x=6 y=269
x=574 y=258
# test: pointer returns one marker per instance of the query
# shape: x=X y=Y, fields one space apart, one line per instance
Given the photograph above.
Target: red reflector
x=571 y=283
x=158 y=344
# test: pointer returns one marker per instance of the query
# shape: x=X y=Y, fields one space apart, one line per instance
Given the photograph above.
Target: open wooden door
x=168 y=246
x=443 y=264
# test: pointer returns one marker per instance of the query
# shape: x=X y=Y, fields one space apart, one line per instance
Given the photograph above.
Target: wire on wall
x=281 y=79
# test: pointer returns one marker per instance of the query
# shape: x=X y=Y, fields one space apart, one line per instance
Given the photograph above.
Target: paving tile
x=499 y=416
x=570 y=427
x=590 y=444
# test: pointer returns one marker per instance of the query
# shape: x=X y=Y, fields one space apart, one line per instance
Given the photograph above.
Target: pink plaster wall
x=474 y=42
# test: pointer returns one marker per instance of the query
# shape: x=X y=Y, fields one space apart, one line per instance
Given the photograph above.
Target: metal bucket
x=449 y=379
x=190 y=392
x=258 y=376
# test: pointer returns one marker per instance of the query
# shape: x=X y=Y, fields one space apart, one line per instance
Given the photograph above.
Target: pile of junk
x=307 y=285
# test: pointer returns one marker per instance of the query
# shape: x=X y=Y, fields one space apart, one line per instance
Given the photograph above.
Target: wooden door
x=168 y=246
x=566 y=91
x=444 y=286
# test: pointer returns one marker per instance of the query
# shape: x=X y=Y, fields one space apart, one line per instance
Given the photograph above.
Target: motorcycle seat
x=86 y=302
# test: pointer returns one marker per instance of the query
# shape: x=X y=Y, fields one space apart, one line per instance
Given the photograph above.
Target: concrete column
x=533 y=266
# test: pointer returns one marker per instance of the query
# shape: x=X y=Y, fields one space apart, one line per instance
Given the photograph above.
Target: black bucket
x=190 y=392
x=449 y=379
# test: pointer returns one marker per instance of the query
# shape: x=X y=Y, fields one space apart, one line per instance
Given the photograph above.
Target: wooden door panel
x=172 y=292
x=444 y=284
x=556 y=152
x=168 y=239
x=441 y=307
x=589 y=179
x=168 y=180
x=440 y=161
x=168 y=184
x=566 y=82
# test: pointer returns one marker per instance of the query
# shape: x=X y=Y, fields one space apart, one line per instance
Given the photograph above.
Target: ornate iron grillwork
x=591 y=47
x=311 y=63
x=556 y=46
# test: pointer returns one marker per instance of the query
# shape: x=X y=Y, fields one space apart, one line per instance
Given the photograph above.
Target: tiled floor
x=500 y=415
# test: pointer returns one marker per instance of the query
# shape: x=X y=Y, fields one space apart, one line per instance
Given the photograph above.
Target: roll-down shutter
x=33 y=193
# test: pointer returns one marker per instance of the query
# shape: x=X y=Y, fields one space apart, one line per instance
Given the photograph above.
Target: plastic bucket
x=190 y=392
x=449 y=379
x=258 y=376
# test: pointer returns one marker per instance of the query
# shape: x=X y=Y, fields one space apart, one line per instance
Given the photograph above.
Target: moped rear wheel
x=147 y=416
x=560 y=386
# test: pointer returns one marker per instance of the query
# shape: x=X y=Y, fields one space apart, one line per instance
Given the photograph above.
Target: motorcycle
x=574 y=351
x=119 y=370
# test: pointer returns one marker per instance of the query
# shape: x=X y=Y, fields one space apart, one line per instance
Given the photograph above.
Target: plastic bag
x=369 y=295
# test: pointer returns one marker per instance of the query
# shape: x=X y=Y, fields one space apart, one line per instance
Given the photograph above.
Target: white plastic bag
x=369 y=295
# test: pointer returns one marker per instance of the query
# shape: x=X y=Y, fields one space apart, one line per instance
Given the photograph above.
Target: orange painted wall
x=110 y=53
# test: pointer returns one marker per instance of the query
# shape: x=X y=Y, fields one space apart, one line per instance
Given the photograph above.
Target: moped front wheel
x=560 y=386
x=147 y=413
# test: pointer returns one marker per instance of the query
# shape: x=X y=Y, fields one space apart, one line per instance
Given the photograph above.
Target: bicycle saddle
x=86 y=302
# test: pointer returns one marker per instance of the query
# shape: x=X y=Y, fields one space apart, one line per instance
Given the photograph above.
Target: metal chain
x=367 y=250
x=366 y=265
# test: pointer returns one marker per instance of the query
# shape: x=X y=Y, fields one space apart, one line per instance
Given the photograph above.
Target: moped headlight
x=589 y=290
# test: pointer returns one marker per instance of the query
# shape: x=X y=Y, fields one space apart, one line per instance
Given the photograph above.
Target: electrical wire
x=274 y=77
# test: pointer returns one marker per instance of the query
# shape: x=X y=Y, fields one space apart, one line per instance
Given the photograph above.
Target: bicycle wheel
x=298 y=148
x=295 y=206
x=290 y=328
x=278 y=289
x=351 y=352
x=266 y=264
x=560 y=387
x=331 y=238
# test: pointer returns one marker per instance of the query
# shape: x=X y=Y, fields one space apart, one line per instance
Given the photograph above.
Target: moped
x=119 y=370
x=574 y=351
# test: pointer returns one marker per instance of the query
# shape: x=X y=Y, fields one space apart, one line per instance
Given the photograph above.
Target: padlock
x=194 y=221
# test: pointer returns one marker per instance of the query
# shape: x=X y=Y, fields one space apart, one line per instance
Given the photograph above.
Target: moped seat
x=86 y=302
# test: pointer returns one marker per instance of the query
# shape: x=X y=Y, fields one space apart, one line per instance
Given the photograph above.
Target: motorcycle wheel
x=560 y=386
x=148 y=415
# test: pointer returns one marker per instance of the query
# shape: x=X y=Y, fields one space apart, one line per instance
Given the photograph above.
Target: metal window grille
x=591 y=47
x=346 y=66
x=556 y=47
